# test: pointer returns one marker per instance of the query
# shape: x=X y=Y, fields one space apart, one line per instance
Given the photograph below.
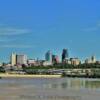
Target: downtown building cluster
x=50 y=60
x=22 y=59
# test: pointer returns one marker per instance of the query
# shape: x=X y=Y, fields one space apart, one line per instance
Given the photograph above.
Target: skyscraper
x=64 y=54
x=13 y=59
x=93 y=59
x=48 y=56
x=21 y=59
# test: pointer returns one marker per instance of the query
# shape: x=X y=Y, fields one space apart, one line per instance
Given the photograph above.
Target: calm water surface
x=49 y=89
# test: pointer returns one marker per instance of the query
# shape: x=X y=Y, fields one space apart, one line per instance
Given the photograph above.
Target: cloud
x=6 y=39
x=16 y=46
x=91 y=29
x=96 y=27
x=6 y=31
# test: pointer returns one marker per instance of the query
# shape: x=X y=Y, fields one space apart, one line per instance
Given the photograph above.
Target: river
x=49 y=89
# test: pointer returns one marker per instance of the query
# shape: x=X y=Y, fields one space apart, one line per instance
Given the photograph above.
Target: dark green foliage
x=64 y=66
x=2 y=70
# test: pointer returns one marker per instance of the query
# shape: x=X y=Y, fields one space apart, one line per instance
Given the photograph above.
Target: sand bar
x=29 y=76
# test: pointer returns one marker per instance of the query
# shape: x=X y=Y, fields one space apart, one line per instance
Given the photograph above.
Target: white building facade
x=21 y=59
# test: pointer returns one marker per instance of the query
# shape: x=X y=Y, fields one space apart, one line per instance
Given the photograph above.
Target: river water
x=49 y=89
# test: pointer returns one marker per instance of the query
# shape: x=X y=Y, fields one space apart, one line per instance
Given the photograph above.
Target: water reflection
x=64 y=85
x=92 y=84
x=74 y=83
x=34 y=89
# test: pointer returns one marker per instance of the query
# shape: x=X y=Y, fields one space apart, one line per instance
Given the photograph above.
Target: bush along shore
x=80 y=76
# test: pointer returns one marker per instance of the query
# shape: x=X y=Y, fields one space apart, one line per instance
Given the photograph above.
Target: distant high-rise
x=93 y=59
x=13 y=59
x=53 y=58
x=48 y=56
x=64 y=54
x=21 y=59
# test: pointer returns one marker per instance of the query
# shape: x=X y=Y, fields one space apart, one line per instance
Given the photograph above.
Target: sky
x=33 y=27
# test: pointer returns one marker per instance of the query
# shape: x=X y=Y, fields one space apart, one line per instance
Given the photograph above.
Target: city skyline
x=49 y=56
x=34 y=27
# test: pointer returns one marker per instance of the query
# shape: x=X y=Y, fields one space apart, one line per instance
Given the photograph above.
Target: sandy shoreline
x=29 y=76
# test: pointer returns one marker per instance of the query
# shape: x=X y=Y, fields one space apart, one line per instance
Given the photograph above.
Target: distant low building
x=87 y=61
x=31 y=62
x=97 y=62
x=91 y=60
x=46 y=63
x=1 y=64
x=68 y=61
x=75 y=61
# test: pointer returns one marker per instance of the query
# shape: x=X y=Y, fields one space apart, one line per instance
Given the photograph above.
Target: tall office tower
x=93 y=59
x=53 y=58
x=48 y=56
x=64 y=54
x=21 y=59
x=13 y=59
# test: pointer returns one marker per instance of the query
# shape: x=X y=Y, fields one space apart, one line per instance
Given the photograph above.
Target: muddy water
x=49 y=89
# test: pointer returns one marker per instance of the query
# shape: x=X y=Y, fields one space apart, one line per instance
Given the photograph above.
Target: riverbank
x=80 y=76
x=28 y=76
x=44 y=76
